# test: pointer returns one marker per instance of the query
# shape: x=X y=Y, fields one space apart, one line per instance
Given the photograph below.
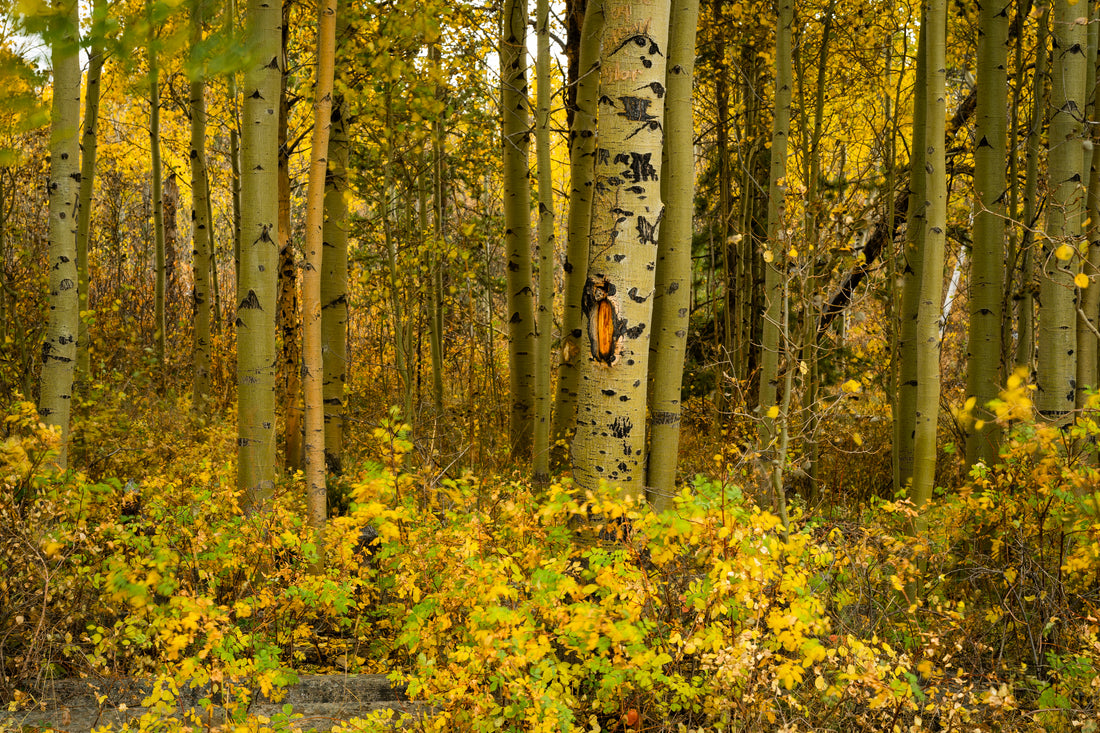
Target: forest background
x=339 y=339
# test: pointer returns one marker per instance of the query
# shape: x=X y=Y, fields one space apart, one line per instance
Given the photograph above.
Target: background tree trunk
x=334 y=286
x=582 y=138
x=200 y=231
x=1057 y=346
x=87 y=182
x=517 y=224
x=672 y=280
x=545 y=313
x=313 y=367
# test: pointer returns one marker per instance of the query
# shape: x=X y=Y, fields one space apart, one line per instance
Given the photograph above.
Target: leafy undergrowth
x=510 y=609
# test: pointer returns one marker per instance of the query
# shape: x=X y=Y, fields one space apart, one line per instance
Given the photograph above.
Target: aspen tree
x=626 y=217
x=582 y=147
x=161 y=260
x=311 y=279
x=334 y=285
x=517 y=223
x=984 y=373
x=672 y=280
x=1025 y=349
x=259 y=235
x=89 y=138
x=1057 y=343
x=912 y=262
x=200 y=226
x=59 y=348
x=776 y=258
x=931 y=283
x=545 y=312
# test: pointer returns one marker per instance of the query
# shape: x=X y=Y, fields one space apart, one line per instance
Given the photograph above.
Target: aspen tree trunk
x=1088 y=315
x=672 y=280
x=234 y=148
x=517 y=224
x=289 y=320
x=729 y=341
x=776 y=259
x=582 y=147
x=334 y=285
x=258 y=279
x=545 y=313
x=912 y=269
x=931 y=285
x=813 y=238
x=171 y=205
x=313 y=365
x=1057 y=344
x=59 y=348
x=437 y=252
x=158 y=194
x=402 y=350
x=200 y=231
x=1025 y=350
x=627 y=210
x=87 y=181
x=983 y=373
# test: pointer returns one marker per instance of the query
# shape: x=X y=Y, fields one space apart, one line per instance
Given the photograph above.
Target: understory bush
x=505 y=607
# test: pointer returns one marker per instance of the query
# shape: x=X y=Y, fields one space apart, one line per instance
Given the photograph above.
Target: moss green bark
x=258 y=276
x=672 y=281
x=200 y=231
x=931 y=282
x=88 y=145
x=582 y=137
x=1057 y=341
x=984 y=373
x=545 y=312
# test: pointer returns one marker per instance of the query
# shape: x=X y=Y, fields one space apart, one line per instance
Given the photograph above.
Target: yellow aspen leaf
x=857 y=438
x=768 y=256
x=851 y=386
x=1081 y=280
x=793 y=253
x=773 y=412
x=1064 y=252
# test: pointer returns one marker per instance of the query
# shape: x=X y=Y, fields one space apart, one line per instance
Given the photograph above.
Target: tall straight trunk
x=912 y=269
x=672 y=280
x=582 y=147
x=1009 y=303
x=401 y=330
x=87 y=181
x=259 y=240
x=170 y=209
x=983 y=375
x=1088 y=317
x=813 y=214
x=161 y=263
x=289 y=320
x=1025 y=350
x=334 y=287
x=728 y=342
x=777 y=259
x=59 y=348
x=313 y=365
x=928 y=334
x=517 y=224
x=627 y=210
x=200 y=231
x=234 y=148
x=545 y=313
x=434 y=253
x=1057 y=343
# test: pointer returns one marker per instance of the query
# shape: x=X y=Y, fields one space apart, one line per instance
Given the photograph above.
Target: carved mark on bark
x=605 y=327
